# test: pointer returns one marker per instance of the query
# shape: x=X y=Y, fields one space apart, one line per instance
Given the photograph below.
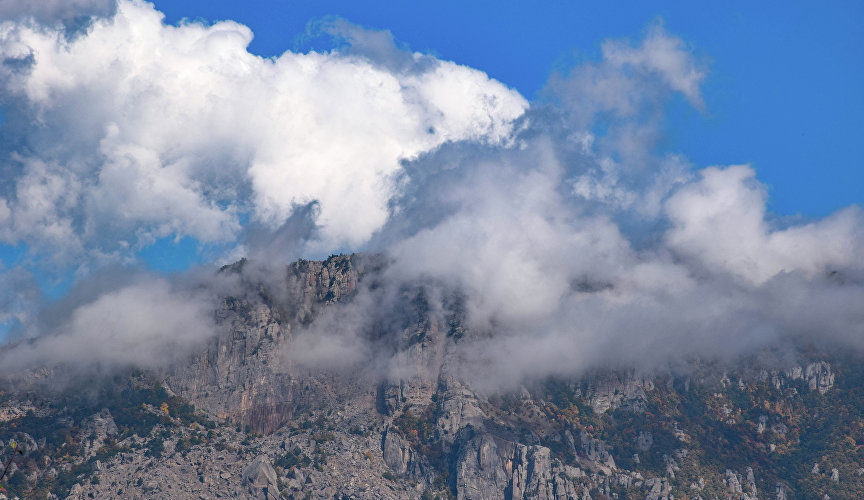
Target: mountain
x=246 y=417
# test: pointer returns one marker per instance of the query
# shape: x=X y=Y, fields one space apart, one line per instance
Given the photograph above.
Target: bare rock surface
x=260 y=479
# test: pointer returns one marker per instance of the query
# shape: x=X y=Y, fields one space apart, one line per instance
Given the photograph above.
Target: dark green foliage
x=134 y=405
x=184 y=444
x=155 y=447
x=718 y=428
x=294 y=458
x=417 y=429
x=420 y=430
x=323 y=437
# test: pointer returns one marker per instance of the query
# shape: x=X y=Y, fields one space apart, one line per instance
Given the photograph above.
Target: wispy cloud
x=71 y=14
x=149 y=324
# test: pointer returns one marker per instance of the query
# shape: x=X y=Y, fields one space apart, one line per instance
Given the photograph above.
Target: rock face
x=399 y=456
x=818 y=376
x=610 y=391
x=240 y=375
x=740 y=489
x=96 y=429
x=487 y=466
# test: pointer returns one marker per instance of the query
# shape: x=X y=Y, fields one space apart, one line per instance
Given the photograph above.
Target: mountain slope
x=246 y=418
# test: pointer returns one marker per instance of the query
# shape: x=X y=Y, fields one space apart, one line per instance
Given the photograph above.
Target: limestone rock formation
x=260 y=479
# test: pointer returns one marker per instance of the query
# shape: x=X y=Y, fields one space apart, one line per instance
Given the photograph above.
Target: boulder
x=260 y=479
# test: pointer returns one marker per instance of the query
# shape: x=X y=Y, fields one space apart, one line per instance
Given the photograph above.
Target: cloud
x=719 y=221
x=41 y=214
x=21 y=298
x=666 y=57
x=51 y=12
x=137 y=130
x=614 y=111
x=149 y=324
x=514 y=242
x=629 y=81
x=4 y=210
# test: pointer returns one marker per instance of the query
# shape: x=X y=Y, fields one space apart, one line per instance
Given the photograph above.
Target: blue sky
x=783 y=93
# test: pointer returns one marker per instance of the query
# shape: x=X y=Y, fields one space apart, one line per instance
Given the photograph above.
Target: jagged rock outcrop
x=399 y=456
x=658 y=489
x=487 y=466
x=644 y=440
x=739 y=488
x=260 y=480
x=241 y=375
x=609 y=391
x=596 y=455
x=96 y=429
x=818 y=375
x=479 y=469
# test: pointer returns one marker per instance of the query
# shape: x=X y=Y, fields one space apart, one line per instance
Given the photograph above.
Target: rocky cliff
x=240 y=376
x=239 y=420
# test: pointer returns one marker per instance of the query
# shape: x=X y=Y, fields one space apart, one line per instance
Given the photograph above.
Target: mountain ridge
x=244 y=419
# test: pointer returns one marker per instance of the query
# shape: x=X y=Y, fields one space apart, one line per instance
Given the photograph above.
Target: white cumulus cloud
x=720 y=220
x=152 y=130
